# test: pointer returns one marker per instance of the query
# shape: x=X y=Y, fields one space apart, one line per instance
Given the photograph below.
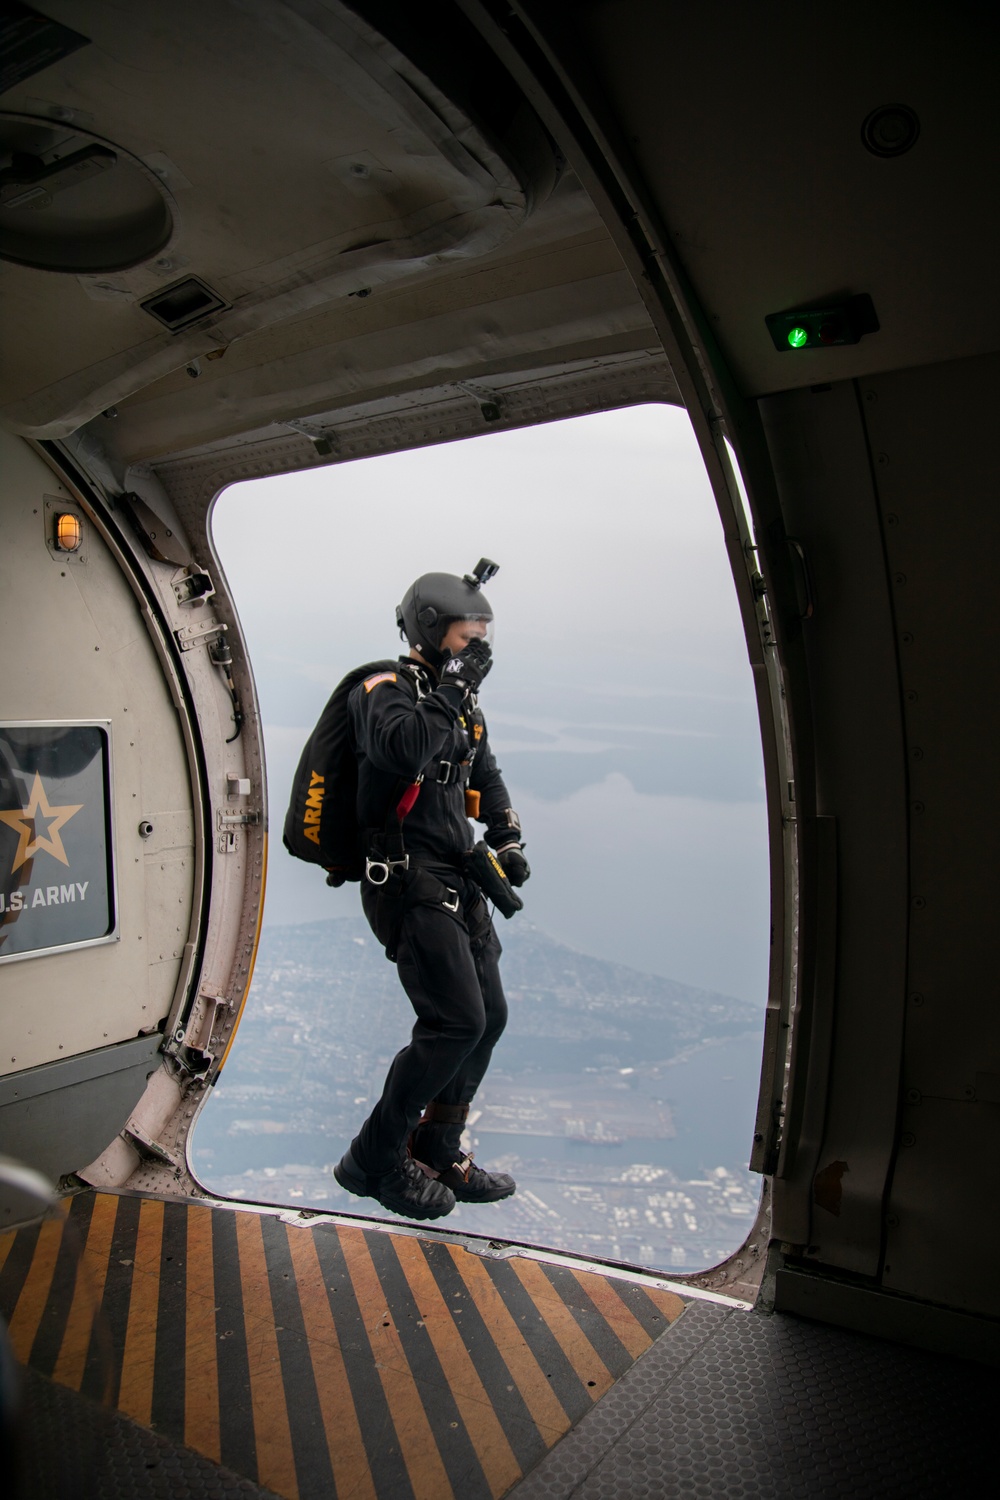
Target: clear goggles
x=461 y=629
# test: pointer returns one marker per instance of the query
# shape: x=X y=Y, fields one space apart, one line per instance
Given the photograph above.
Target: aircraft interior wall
x=113 y=889
x=100 y=897
x=898 y=1037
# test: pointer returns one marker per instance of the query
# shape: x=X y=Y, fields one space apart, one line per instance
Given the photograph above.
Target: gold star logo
x=23 y=823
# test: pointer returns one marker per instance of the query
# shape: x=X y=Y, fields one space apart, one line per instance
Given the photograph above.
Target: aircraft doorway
x=621 y=710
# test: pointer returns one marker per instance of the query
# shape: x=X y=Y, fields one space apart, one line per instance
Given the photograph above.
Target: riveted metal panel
x=83 y=653
x=942 y=529
x=842 y=1109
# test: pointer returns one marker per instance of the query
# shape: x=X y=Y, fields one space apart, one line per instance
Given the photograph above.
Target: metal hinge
x=490 y=402
x=193 y=587
x=237 y=820
x=228 y=825
x=202 y=634
x=147 y=1147
x=325 y=439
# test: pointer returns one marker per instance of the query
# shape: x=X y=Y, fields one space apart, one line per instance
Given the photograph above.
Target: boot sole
x=359 y=1187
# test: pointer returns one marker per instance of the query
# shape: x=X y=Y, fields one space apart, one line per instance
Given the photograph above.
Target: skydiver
x=420 y=728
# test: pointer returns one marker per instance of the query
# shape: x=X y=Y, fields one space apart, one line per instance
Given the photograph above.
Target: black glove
x=468 y=668
x=515 y=866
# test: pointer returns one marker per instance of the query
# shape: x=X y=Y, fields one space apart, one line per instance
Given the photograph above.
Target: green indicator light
x=798 y=337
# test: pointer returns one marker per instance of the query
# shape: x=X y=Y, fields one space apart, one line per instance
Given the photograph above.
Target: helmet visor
x=458 y=630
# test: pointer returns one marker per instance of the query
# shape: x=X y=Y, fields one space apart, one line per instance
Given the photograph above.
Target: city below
x=622 y=1102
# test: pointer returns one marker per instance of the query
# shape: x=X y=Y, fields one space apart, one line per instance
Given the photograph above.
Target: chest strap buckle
x=449 y=772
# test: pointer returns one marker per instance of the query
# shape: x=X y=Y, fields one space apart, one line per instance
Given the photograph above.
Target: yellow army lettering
x=314 y=807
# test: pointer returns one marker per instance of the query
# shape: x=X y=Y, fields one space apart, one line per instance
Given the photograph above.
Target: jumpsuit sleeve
x=487 y=780
x=397 y=734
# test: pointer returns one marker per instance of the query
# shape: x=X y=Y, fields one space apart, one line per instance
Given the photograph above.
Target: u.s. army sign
x=56 y=849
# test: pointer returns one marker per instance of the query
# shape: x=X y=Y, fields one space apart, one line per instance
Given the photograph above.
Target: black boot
x=437 y=1156
x=472 y=1184
x=406 y=1190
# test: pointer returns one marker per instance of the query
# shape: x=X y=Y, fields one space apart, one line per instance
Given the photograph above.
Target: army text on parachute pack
x=321 y=825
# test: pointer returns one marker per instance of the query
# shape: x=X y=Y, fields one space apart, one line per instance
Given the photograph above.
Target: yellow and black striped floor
x=321 y=1360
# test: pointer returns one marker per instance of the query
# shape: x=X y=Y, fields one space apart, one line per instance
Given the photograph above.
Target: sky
x=620 y=706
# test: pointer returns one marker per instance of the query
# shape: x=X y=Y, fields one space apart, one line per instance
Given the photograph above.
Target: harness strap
x=446 y=773
x=449 y=772
x=455 y=1176
x=444 y=1114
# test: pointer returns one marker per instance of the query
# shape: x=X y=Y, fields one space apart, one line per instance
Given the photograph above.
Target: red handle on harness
x=406 y=801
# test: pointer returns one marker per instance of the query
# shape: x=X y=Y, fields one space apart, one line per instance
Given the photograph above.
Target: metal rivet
x=917 y=999
x=919 y=903
x=907 y=1138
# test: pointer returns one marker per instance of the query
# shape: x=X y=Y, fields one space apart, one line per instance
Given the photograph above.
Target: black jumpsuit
x=447 y=958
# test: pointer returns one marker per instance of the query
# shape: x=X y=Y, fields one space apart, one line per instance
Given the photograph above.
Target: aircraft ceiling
x=362 y=236
x=375 y=221
x=754 y=152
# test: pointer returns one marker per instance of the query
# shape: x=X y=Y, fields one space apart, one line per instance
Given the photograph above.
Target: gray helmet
x=435 y=600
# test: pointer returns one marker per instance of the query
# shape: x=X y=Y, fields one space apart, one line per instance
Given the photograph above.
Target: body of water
x=713 y=1095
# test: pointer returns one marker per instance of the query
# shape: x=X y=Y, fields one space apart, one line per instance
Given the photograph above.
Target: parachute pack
x=321 y=825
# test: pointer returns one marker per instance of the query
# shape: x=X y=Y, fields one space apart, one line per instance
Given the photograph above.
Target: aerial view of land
x=621 y=1101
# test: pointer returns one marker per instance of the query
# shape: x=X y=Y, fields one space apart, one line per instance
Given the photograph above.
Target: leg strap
x=457 y=1175
x=444 y=1114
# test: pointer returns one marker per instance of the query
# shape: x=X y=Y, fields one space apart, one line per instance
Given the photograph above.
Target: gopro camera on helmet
x=482 y=573
x=435 y=600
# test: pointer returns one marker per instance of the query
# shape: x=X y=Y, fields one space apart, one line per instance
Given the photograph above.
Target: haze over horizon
x=620 y=706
